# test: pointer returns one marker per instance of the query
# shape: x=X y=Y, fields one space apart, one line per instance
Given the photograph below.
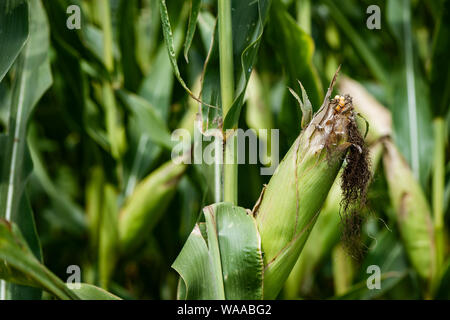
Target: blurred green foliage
x=100 y=104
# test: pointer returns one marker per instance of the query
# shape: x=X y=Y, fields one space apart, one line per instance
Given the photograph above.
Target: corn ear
x=145 y=206
x=413 y=213
x=323 y=237
x=294 y=196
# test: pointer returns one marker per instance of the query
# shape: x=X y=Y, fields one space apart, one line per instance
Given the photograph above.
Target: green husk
x=412 y=212
x=145 y=206
x=323 y=237
x=296 y=192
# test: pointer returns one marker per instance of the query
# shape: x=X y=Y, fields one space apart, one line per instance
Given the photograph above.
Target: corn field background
x=90 y=194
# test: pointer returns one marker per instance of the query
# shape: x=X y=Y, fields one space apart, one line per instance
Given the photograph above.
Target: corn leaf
x=89 y=292
x=248 y=18
x=149 y=119
x=16 y=256
x=157 y=86
x=33 y=79
x=221 y=259
x=18 y=265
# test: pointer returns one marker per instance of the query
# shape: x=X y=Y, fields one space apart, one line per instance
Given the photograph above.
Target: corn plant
x=98 y=200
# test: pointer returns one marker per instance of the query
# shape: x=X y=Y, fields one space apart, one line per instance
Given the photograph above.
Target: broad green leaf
x=13 y=31
x=149 y=119
x=90 y=292
x=212 y=235
x=147 y=132
x=195 y=268
x=157 y=86
x=16 y=257
x=222 y=258
x=32 y=79
x=189 y=206
x=18 y=265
